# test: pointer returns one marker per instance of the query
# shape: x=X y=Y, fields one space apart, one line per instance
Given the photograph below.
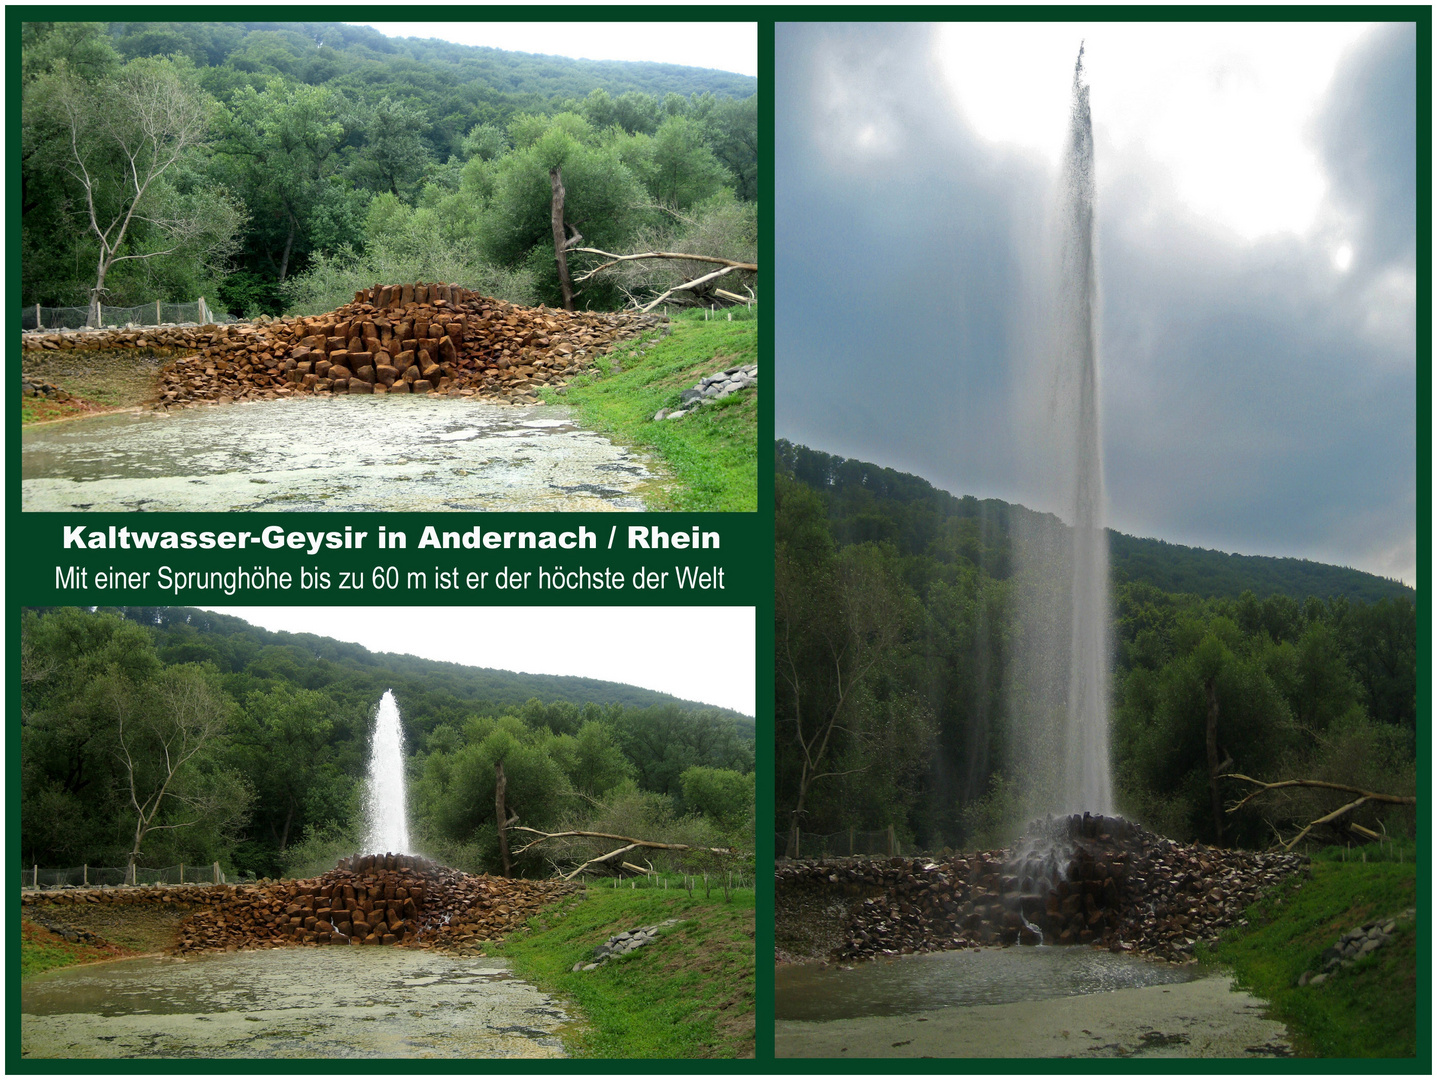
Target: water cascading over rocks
x=386 y=809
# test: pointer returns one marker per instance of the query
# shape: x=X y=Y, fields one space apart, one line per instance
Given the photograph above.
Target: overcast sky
x=726 y=46
x=698 y=654
x=1256 y=231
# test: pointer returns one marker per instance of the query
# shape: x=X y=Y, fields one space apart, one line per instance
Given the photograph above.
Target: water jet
x=386 y=807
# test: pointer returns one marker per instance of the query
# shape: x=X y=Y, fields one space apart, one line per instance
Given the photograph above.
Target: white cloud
x=1223 y=110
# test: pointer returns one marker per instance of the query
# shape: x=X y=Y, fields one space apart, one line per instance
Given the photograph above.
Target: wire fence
x=38 y=317
x=839 y=844
x=85 y=876
x=721 y=881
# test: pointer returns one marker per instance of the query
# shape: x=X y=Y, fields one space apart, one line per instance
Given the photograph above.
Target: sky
x=1256 y=227
x=698 y=654
x=726 y=46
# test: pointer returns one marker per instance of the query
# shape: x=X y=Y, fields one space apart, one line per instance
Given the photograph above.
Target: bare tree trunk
x=501 y=814
x=556 y=219
x=1214 y=767
x=288 y=247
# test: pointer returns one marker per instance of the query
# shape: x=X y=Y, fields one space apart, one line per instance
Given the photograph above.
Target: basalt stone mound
x=1082 y=880
x=396 y=339
x=370 y=900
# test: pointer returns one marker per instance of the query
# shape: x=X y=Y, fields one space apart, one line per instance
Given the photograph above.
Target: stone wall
x=368 y=900
x=412 y=338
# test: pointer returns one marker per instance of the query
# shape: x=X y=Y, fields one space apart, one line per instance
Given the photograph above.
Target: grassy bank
x=690 y=994
x=99 y=381
x=712 y=453
x=42 y=950
x=1367 y=1010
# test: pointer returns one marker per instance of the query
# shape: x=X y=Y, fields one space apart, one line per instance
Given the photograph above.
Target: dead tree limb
x=612 y=859
x=1363 y=797
x=687 y=285
x=732 y=264
x=1369 y=796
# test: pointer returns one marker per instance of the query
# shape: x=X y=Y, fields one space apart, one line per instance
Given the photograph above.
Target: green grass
x=40 y=950
x=688 y=995
x=712 y=453
x=1365 y=1011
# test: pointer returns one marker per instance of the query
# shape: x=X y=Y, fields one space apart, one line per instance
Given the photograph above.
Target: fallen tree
x=1363 y=797
x=613 y=862
x=726 y=266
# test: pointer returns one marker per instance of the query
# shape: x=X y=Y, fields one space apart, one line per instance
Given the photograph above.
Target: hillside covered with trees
x=896 y=625
x=279 y=166
x=175 y=735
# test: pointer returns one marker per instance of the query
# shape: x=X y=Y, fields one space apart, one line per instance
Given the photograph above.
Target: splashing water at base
x=386 y=811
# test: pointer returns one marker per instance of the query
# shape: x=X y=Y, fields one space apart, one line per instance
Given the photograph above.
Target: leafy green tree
x=681 y=170
x=725 y=796
x=395 y=155
x=127 y=139
x=281 y=743
x=284 y=144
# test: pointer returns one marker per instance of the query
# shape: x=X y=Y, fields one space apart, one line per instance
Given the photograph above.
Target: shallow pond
x=1020 y=1003
x=289 y=1003
x=344 y=453
x=909 y=984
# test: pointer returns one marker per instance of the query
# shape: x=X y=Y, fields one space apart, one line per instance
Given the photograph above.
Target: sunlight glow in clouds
x=1224 y=111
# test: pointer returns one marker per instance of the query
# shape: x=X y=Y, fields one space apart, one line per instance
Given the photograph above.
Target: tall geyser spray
x=386 y=811
x=1087 y=783
x=1058 y=680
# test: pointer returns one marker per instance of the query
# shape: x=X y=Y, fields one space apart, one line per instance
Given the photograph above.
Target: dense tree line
x=274 y=166
x=163 y=737
x=897 y=620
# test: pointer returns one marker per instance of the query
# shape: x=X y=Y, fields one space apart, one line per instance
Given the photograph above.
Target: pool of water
x=283 y=1003
x=917 y=983
x=344 y=453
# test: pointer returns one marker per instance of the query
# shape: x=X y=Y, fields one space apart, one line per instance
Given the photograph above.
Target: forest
x=895 y=629
x=277 y=167
x=168 y=735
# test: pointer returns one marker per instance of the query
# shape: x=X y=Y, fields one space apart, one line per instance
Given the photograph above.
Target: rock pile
x=710 y=388
x=402 y=339
x=412 y=338
x=1353 y=946
x=34 y=388
x=370 y=900
x=1081 y=880
x=623 y=944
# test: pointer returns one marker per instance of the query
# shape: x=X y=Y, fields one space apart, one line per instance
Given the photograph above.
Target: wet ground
x=289 y=1003
x=345 y=453
x=1019 y=1003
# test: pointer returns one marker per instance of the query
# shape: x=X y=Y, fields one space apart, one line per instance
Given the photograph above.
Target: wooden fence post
x=38 y=324
x=157 y=313
x=35 y=876
x=85 y=875
x=216 y=869
x=892 y=842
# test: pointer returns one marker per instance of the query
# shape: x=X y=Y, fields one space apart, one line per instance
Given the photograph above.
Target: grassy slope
x=1367 y=1010
x=688 y=995
x=713 y=451
x=41 y=950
